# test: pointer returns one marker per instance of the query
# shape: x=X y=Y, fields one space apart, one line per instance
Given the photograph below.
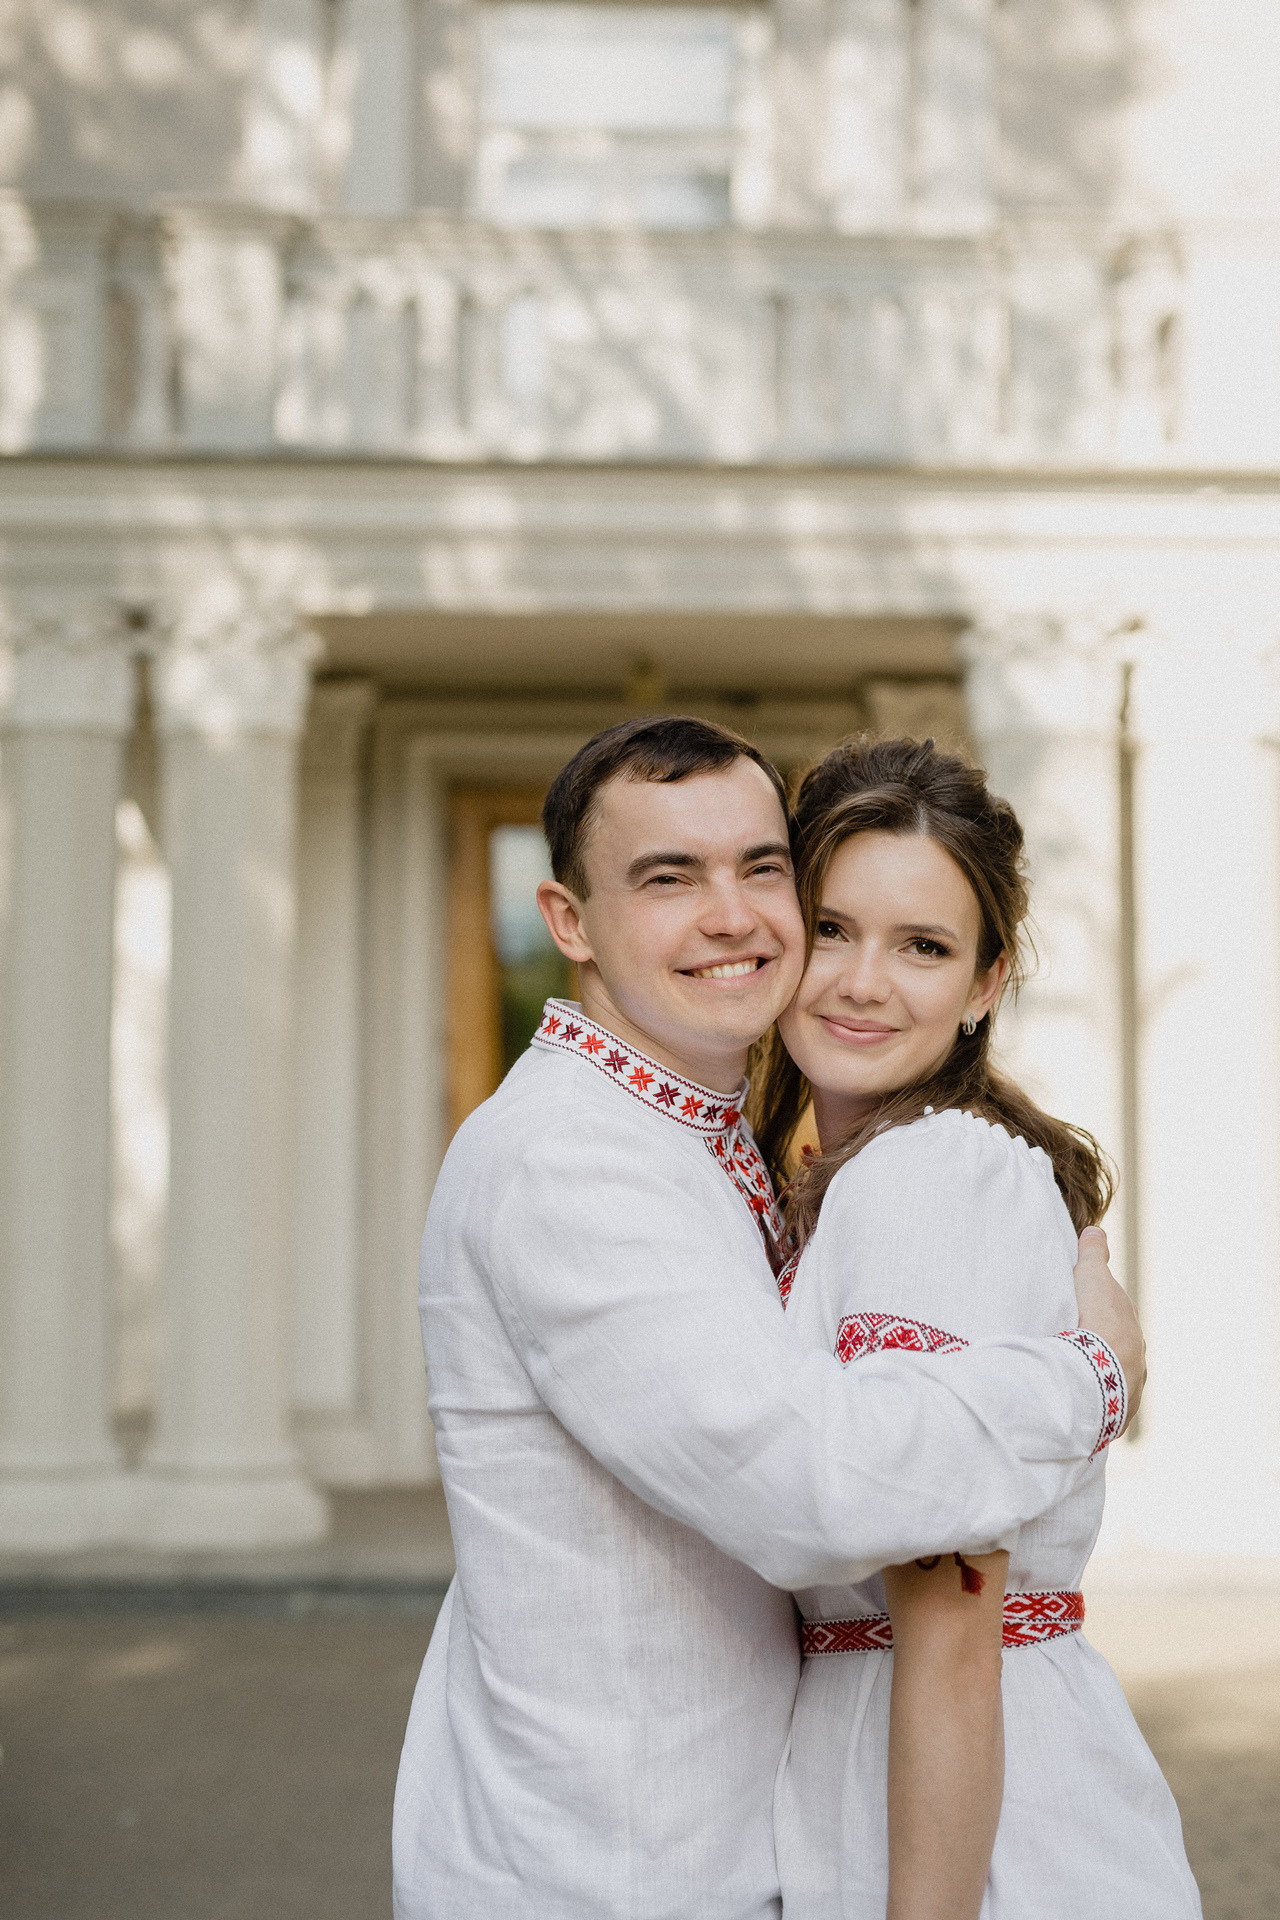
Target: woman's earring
x=969 y=1025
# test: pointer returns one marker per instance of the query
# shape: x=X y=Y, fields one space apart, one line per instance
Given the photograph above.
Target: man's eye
x=769 y=867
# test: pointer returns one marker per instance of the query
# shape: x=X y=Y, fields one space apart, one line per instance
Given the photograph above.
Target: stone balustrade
x=226 y=329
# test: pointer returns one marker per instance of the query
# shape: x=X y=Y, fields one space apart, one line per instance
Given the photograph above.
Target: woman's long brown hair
x=908 y=787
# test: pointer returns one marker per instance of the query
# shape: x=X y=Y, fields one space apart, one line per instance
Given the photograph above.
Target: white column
x=223 y=1470
x=326 y=1316
x=1208 y=865
x=68 y=697
x=1044 y=701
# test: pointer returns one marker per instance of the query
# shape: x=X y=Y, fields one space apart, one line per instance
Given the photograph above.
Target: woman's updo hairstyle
x=909 y=787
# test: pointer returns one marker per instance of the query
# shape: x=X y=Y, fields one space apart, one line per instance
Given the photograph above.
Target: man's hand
x=1106 y=1309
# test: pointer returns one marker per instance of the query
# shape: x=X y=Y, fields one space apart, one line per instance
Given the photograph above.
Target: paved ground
x=1218 y=1740
x=215 y=1766
x=205 y=1767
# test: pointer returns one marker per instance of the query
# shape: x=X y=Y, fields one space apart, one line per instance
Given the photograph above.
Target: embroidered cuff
x=1109 y=1375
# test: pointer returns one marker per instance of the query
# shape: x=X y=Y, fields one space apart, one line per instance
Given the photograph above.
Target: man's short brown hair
x=667 y=748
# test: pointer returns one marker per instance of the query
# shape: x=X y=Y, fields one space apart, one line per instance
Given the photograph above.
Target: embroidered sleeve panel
x=860 y=1334
x=1109 y=1375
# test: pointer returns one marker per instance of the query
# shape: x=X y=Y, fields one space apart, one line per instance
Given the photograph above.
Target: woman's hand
x=1106 y=1309
x=946 y=1733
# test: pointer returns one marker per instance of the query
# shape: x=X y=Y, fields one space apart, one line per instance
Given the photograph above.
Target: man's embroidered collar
x=566 y=1028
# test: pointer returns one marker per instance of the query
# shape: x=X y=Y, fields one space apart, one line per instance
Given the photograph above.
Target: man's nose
x=728 y=912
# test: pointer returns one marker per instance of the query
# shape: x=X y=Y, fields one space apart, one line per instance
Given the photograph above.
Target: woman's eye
x=827 y=930
x=929 y=949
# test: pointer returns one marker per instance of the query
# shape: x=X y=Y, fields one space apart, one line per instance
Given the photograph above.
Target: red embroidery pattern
x=862 y=1333
x=740 y=1157
x=870 y=1634
x=1110 y=1377
x=786 y=1279
x=1029 y=1620
x=1032 y=1617
x=719 y=1121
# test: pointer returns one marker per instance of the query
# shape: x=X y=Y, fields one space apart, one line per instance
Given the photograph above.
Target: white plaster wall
x=122 y=99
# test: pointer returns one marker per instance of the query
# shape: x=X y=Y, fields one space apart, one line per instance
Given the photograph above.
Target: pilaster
x=1044 y=695
x=953 y=116
x=865 y=158
x=66 y=706
x=1207 y=860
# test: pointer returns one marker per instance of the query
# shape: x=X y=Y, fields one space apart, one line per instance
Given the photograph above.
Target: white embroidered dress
x=939 y=1233
x=639 y=1460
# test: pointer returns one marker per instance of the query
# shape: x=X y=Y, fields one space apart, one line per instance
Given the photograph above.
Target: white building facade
x=394 y=391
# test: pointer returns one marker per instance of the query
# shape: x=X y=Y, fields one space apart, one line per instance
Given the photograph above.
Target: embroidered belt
x=1029 y=1619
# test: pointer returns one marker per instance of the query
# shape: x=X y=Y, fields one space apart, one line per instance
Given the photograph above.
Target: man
x=638 y=1459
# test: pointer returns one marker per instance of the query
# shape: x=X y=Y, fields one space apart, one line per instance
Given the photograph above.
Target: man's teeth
x=733 y=971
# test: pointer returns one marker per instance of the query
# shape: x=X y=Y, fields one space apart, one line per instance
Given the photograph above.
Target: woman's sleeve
x=953 y=1226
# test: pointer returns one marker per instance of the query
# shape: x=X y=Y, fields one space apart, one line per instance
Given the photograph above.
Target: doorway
x=503 y=963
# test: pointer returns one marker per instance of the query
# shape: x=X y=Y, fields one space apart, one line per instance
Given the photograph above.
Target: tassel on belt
x=1029 y=1619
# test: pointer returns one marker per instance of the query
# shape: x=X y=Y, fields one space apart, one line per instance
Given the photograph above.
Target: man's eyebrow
x=643 y=862
x=646 y=862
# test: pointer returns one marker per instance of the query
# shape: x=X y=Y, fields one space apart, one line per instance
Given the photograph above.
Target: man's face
x=690 y=941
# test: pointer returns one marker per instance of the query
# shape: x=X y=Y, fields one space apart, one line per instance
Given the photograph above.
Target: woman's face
x=892 y=975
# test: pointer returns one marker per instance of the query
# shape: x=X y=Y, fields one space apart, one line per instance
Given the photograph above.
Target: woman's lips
x=857 y=1033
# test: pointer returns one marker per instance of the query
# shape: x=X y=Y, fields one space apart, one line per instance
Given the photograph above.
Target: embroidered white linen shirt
x=639 y=1459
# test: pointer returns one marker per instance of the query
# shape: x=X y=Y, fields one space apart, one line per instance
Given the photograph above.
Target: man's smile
x=726 y=969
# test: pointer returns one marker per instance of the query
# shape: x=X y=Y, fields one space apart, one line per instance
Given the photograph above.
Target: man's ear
x=562 y=912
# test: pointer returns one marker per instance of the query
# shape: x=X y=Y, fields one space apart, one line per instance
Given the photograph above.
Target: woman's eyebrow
x=927 y=932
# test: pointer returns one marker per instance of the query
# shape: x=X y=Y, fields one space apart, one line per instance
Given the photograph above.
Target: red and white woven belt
x=1029 y=1619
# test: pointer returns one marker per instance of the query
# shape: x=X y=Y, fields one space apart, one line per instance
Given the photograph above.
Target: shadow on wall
x=122 y=99
x=1065 y=70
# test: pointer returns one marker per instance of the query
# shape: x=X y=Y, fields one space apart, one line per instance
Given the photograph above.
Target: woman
x=939 y=1198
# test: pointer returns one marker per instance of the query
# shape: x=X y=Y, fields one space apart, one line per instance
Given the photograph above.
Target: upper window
x=611 y=115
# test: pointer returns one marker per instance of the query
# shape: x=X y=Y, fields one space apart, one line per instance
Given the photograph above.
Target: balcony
x=228 y=330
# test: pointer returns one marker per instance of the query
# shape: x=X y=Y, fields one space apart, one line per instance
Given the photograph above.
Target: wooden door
x=495 y=991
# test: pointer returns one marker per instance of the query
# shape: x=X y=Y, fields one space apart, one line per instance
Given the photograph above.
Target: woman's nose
x=865 y=976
